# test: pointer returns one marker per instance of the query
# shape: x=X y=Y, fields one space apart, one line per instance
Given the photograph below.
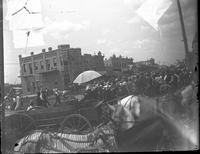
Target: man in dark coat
x=57 y=94
x=38 y=99
x=43 y=97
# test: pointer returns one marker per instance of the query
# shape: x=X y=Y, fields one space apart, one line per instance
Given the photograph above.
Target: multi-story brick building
x=118 y=63
x=55 y=68
x=94 y=62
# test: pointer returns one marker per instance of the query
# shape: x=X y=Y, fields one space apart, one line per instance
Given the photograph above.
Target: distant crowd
x=41 y=100
x=152 y=83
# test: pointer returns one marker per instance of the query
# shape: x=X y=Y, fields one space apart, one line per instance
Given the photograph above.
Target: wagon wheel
x=76 y=124
x=17 y=125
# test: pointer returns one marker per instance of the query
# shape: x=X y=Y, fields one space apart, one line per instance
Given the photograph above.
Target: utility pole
x=183 y=31
x=2 y=81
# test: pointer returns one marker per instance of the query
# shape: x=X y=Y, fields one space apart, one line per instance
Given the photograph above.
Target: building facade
x=93 y=62
x=120 y=63
x=43 y=70
x=146 y=66
x=55 y=68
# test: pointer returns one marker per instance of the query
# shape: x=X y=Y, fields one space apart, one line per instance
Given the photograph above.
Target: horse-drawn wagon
x=78 y=118
x=73 y=118
x=152 y=131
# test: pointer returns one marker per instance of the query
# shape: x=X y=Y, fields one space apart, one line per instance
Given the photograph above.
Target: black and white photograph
x=95 y=76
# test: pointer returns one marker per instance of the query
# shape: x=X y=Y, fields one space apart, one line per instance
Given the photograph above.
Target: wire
x=18 y=11
x=11 y=63
x=24 y=7
x=62 y=12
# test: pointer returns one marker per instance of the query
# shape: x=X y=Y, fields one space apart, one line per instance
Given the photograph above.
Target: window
x=35 y=65
x=37 y=84
x=24 y=67
x=61 y=61
x=33 y=85
x=30 y=68
x=54 y=62
x=28 y=88
x=41 y=65
x=65 y=62
x=48 y=64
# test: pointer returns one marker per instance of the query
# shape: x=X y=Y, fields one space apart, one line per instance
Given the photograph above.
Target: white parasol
x=86 y=76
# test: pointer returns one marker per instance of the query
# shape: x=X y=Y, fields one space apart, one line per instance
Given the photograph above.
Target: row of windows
x=29 y=66
x=120 y=64
x=34 y=86
x=41 y=65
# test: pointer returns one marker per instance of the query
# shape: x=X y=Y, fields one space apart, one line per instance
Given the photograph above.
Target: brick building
x=93 y=62
x=146 y=66
x=55 y=68
x=120 y=63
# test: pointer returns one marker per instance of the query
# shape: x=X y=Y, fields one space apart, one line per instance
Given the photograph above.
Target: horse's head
x=126 y=111
x=187 y=94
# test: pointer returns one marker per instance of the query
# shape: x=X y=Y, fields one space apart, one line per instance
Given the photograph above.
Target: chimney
x=32 y=53
x=50 y=48
x=43 y=50
x=20 y=56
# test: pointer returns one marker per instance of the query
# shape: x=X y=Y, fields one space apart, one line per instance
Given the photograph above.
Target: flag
x=28 y=33
x=152 y=10
x=24 y=39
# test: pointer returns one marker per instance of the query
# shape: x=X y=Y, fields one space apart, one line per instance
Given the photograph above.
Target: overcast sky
x=109 y=26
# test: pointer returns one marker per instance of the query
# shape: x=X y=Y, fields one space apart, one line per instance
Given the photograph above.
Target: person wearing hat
x=43 y=97
x=57 y=94
x=18 y=102
x=38 y=99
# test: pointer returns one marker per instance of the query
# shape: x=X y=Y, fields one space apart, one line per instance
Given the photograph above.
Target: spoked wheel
x=75 y=124
x=17 y=125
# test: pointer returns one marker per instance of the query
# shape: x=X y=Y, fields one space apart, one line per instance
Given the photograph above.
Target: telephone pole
x=2 y=81
x=183 y=30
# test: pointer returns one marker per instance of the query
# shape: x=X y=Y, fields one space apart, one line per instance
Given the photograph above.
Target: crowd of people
x=16 y=101
x=153 y=83
x=42 y=99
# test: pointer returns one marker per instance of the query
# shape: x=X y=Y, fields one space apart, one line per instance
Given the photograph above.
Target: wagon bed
x=85 y=115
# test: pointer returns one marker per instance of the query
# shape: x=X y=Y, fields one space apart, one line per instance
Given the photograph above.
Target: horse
x=48 y=141
x=126 y=111
x=43 y=143
x=155 y=131
x=148 y=129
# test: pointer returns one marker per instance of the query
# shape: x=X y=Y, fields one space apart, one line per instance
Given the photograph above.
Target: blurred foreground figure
x=18 y=102
x=190 y=101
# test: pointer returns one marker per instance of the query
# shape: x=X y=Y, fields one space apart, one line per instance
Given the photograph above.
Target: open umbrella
x=86 y=76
